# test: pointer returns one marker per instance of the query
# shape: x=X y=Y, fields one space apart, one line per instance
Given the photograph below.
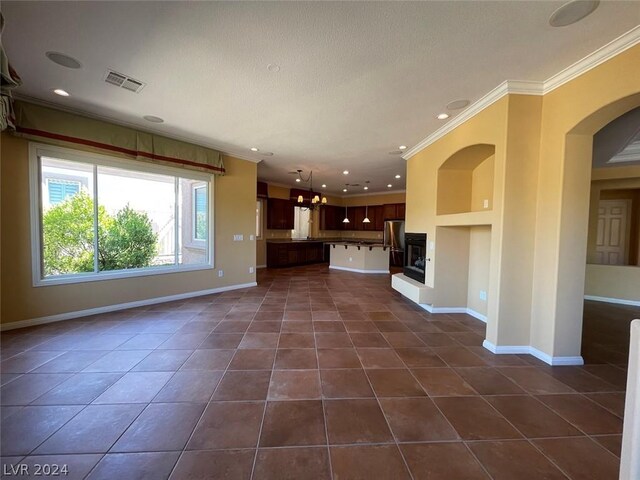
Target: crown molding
x=105 y=118
x=526 y=87
x=386 y=192
x=601 y=55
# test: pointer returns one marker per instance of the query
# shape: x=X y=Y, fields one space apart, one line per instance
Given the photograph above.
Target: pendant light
x=366 y=215
x=346 y=218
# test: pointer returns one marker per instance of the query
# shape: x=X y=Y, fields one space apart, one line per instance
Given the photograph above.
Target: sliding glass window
x=98 y=217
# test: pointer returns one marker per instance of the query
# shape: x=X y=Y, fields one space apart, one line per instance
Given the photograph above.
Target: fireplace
x=415 y=256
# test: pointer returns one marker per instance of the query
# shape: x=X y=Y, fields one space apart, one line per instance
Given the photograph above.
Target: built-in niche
x=465 y=181
x=462 y=267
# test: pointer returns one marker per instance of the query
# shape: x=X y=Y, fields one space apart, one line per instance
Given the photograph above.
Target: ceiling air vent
x=123 y=81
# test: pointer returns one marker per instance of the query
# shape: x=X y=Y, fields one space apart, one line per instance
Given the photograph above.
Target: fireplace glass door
x=415 y=256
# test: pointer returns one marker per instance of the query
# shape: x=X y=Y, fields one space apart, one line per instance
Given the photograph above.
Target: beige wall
x=609 y=281
x=572 y=114
x=479 y=262
x=235 y=195
x=540 y=205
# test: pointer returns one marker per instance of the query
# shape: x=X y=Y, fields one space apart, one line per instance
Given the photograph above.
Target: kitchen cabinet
x=289 y=254
x=372 y=213
x=393 y=211
x=331 y=217
x=358 y=217
x=280 y=214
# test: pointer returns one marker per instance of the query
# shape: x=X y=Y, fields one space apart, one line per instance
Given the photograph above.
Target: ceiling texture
x=349 y=82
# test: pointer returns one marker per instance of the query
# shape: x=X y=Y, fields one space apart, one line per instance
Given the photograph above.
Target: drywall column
x=513 y=234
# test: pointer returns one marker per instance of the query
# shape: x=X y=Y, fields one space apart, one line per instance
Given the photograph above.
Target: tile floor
x=311 y=375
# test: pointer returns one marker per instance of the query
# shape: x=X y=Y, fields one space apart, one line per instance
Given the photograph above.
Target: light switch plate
x=252 y=237
x=485 y=203
x=238 y=238
x=221 y=273
x=483 y=295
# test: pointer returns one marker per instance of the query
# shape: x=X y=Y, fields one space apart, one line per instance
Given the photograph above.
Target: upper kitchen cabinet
x=331 y=217
x=280 y=214
x=393 y=211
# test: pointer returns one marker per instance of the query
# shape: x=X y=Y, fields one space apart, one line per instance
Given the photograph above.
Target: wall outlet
x=379 y=235
x=238 y=238
x=483 y=295
x=252 y=237
x=250 y=269
x=485 y=203
x=351 y=259
x=221 y=273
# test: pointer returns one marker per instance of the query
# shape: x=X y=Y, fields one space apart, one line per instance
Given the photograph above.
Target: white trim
x=468 y=311
x=479 y=316
x=261 y=266
x=36 y=150
x=601 y=55
x=357 y=270
x=120 y=306
x=386 y=192
x=529 y=350
x=619 y=301
x=524 y=87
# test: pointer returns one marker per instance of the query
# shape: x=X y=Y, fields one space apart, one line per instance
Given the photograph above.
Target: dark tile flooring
x=311 y=375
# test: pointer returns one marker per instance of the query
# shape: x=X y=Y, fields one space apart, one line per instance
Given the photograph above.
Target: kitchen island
x=361 y=257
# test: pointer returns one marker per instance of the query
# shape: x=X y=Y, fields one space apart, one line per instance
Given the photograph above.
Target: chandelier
x=315 y=199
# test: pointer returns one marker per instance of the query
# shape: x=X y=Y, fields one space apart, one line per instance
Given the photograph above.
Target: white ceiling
x=356 y=79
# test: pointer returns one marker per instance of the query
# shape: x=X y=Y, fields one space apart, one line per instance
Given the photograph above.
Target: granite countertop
x=341 y=241
x=354 y=243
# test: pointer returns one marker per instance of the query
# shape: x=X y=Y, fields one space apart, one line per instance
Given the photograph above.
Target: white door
x=612 y=241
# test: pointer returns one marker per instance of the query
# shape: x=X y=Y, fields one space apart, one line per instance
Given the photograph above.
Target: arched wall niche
x=465 y=180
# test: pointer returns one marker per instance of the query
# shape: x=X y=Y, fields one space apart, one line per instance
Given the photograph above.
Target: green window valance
x=64 y=128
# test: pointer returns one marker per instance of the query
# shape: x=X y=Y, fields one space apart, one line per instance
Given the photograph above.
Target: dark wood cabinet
x=331 y=217
x=289 y=254
x=374 y=213
x=393 y=211
x=401 y=210
x=280 y=214
x=358 y=217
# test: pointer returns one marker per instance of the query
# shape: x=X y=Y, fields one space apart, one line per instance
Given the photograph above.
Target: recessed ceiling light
x=346 y=172
x=366 y=188
x=397 y=176
x=61 y=92
x=442 y=116
x=273 y=68
x=153 y=119
x=457 y=104
x=63 y=60
x=253 y=149
x=324 y=185
x=572 y=12
x=389 y=186
x=298 y=180
x=344 y=189
x=402 y=147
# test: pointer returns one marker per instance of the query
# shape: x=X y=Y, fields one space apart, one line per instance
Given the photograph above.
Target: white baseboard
x=468 y=311
x=357 y=270
x=527 y=349
x=120 y=306
x=261 y=266
x=619 y=301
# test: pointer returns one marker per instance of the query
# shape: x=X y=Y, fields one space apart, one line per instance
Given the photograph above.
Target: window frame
x=37 y=150
x=260 y=215
x=194 y=217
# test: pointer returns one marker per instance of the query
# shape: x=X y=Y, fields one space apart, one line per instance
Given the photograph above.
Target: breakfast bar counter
x=359 y=257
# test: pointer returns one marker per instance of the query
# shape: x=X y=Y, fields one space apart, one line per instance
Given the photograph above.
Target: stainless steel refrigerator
x=394 y=239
